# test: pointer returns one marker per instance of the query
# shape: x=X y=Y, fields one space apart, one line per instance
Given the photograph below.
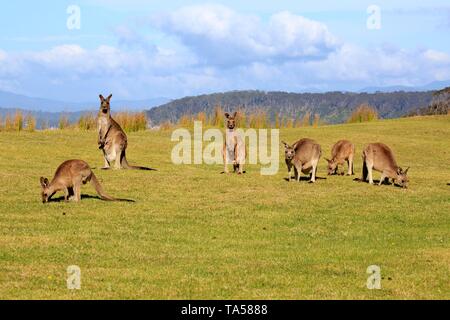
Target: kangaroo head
x=402 y=177
x=46 y=194
x=289 y=151
x=231 y=120
x=332 y=166
x=104 y=104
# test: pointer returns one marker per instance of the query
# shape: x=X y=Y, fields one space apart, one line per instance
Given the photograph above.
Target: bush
x=186 y=121
x=363 y=113
x=316 y=121
x=18 y=121
x=132 y=122
x=64 y=122
x=218 y=118
x=306 y=120
x=201 y=116
x=87 y=122
x=166 y=126
x=258 y=120
x=30 y=123
x=8 y=123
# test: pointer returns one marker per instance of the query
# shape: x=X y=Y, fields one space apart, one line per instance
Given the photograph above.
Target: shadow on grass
x=85 y=197
x=305 y=178
x=135 y=168
x=223 y=172
x=376 y=182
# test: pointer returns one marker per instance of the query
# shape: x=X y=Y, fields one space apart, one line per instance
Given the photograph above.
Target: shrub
x=132 y=122
x=30 y=123
x=186 y=121
x=316 y=121
x=64 y=122
x=258 y=119
x=218 y=118
x=363 y=113
x=241 y=119
x=306 y=120
x=202 y=117
x=278 y=121
x=8 y=123
x=289 y=123
x=166 y=126
x=87 y=122
x=18 y=121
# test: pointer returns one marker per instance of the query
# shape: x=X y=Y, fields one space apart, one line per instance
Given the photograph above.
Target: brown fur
x=379 y=157
x=234 y=146
x=304 y=156
x=343 y=151
x=112 y=140
x=68 y=178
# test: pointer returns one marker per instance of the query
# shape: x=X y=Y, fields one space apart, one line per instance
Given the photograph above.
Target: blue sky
x=144 y=49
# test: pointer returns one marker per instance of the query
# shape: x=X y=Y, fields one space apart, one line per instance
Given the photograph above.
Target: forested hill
x=333 y=107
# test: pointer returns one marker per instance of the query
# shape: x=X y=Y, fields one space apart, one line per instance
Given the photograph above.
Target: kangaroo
x=343 y=151
x=379 y=157
x=112 y=140
x=234 y=146
x=304 y=156
x=68 y=178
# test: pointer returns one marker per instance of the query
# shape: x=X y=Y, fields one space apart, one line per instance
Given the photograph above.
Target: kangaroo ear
x=227 y=115
x=101 y=97
x=285 y=144
x=327 y=160
x=406 y=171
x=109 y=98
x=235 y=114
x=44 y=182
x=399 y=170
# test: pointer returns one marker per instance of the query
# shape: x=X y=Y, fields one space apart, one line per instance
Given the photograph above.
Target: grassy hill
x=195 y=234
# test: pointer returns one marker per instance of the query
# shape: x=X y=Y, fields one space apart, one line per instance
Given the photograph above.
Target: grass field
x=195 y=234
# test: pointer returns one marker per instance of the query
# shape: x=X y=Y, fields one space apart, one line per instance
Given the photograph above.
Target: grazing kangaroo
x=304 y=156
x=343 y=151
x=234 y=146
x=112 y=140
x=379 y=157
x=68 y=178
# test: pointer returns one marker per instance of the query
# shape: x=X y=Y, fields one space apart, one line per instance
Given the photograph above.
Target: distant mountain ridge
x=10 y=100
x=429 y=87
x=333 y=107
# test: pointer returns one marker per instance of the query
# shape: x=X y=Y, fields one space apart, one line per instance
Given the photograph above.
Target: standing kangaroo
x=343 y=151
x=68 y=178
x=304 y=156
x=379 y=157
x=112 y=140
x=234 y=146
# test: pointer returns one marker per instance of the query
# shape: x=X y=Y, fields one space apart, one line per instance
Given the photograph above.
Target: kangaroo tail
x=126 y=165
x=99 y=189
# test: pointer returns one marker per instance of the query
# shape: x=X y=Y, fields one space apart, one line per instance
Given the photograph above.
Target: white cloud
x=221 y=36
x=437 y=56
x=218 y=50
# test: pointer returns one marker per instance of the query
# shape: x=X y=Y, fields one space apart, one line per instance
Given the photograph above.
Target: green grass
x=195 y=234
